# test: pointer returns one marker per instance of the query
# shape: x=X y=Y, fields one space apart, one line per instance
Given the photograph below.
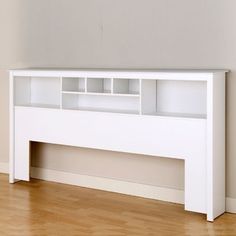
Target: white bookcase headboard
x=169 y=113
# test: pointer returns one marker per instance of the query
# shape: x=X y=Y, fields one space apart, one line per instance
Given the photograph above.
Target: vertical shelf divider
x=61 y=94
x=85 y=85
x=112 y=86
x=140 y=97
x=156 y=96
x=30 y=94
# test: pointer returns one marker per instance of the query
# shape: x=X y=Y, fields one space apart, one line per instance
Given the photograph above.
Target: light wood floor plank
x=43 y=208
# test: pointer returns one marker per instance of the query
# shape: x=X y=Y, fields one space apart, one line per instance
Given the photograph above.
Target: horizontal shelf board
x=168 y=114
x=63 y=77
x=74 y=91
x=102 y=110
x=128 y=94
x=177 y=74
x=106 y=92
x=39 y=105
x=103 y=94
x=172 y=114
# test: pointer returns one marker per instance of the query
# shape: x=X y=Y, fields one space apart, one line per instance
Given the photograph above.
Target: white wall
x=119 y=34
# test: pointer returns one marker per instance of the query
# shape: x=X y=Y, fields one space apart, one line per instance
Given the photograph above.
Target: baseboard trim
x=135 y=189
x=112 y=185
x=4 y=167
x=231 y=205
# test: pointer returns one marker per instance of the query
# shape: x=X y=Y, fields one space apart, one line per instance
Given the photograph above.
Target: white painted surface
x=73 y=84
x=22 y=92
x=148 y=96
x=181 y=97
x=190 y=139
x=216 y=144
x=95 y=85
x=126 y=86
x=189 y=75
x=45 y=90
x=11 y=128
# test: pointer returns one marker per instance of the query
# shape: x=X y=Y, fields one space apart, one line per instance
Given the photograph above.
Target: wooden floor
x=46 y=208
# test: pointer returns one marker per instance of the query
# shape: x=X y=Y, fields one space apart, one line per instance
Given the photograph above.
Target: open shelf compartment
x=126 y=86
x=37 y=92
x=73 y=84
x=114 y=104
x=174 y=98
x=99 y=85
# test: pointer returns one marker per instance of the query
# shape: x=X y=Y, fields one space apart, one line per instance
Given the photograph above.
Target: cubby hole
x=126 y=86
x=177 y=98
x=73 y=84
x=174 y=98
x=115 y=104
x=99 y=85
x=37 y=91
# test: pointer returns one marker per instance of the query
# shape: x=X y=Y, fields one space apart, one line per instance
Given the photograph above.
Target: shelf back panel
x=22 y=90
x=73 y=84
x=126 y=86
x=77 y=101
x=113 y=102
x=187 y=97
x=45 y=90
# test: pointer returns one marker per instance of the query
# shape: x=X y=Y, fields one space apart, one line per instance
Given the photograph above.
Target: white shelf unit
x=98 y=95
x=169 y=113
x=135 y=96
